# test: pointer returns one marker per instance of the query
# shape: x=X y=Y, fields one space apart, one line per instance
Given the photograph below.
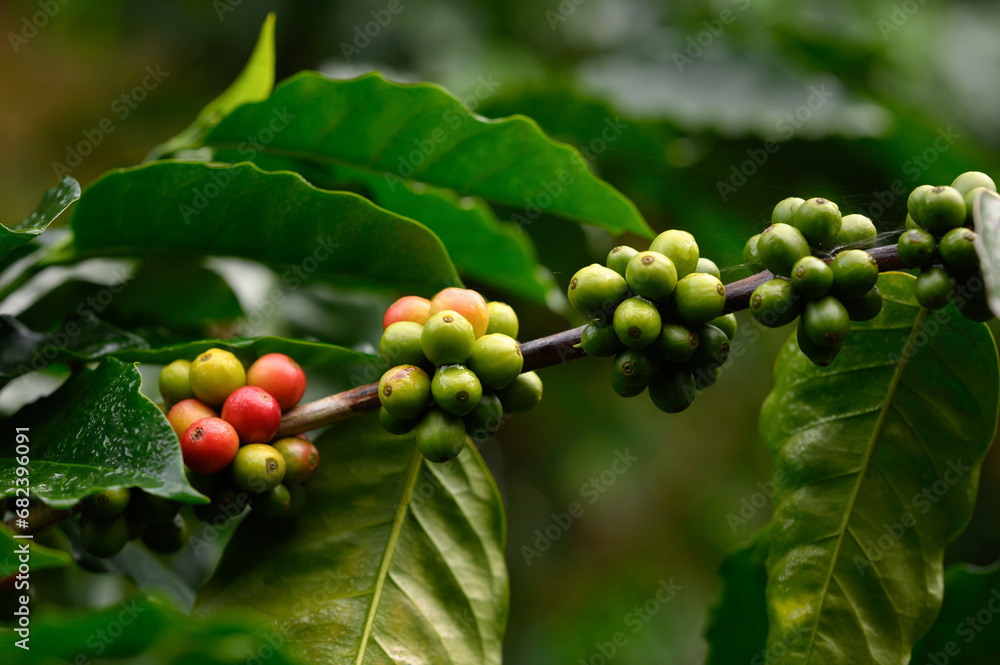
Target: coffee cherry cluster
x=455 y=369
x=234 y=459
x=939 y=242
x=659 y=314
x=828 y=294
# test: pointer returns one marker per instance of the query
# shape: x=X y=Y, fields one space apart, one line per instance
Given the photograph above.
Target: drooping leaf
x=54 y=202
x=39 y=557
x=966 y=631
x=399 y=560
x=305 y=353
x=253 y=84
x=397 y=131
x=882 y=451
x=97 y=431
x=737 y=624
x=986 y=214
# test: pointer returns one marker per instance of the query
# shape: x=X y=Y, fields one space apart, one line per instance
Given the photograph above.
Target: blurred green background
x=703 y=113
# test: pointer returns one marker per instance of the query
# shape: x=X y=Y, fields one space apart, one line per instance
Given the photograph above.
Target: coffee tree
x=383 y=540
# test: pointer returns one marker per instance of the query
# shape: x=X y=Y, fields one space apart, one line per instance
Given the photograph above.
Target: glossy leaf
x=737 y=624
x=987 y=222
x=398 y=561
x=253 y=84
x=307 y=354
x=191 y=209
x=882 y=452
x=966 y=632
x=422 y=132
x=39 y=557
x=95 y=432
x=54 y=202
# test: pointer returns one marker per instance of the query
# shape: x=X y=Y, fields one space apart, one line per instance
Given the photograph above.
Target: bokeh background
x=705 y=113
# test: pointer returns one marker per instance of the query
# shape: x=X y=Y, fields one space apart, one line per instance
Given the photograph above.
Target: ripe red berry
x=185 y=412
x=209 y=445
x=279 y=375
x=407 y=308
x=466 y=302
x=253 y=413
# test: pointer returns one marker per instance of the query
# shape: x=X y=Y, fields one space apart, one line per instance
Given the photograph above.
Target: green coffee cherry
x=175 y=384
x=751 y=253
x=228 y=502
x=456 y=389
x=713 y=348
x=523 y=394
x=496 y=359
x=215 y=374
x=784 y=212
x=440 y=436
x=636 y=367
x=103 y=538
x=257 y=468
x=971 y=180
x=637 y=323
x=917 y=248
x=940 y=209
x=726 y=323
x=623 y=389
x=651 y=275
x=970 y=203
x=913 y=199
x=933 y=287
x=708 y=266
x=865 y=308
x=680 y=247
x=855 y=272
x=400 y=344
x=154 y=510
x=485 y=418
x=300 y=499
x=820 y=222
x=958 y=250
x=700 y=297
x=826 y=321
x=676 y=342
x=780 y=247
x=857 y=231
x=812 y=277
x=819 y=355
x=167 y=538
x=503 y=319
x=619 y=257
x=600 y=341
x=273 y=504
x=447 y=338
x=394 y=425
x=775 y=303
x=596 y=289
x=704 y=377
x=107 y=503
x=405 y=391
x=911 y=224
x=673 y=389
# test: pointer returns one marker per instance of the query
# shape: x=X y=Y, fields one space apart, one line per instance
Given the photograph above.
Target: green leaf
x=882 y=453
x=986 y=215
x=53 y=203
x=196 y=296
x=966 y=632
x=253 y=84
x=193 y=209
x=307 y=354
x=737 y=624
x=397 y=561
x=397 y=131
x=39 y=557
x=97 y=431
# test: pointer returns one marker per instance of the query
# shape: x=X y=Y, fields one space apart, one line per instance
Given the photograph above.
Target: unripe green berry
x=673 y=389
x=600 y=341
x=676 y=343
x=623 y=389
x=300 y=499
x=817 y=354
x=704 y=377
x=635 y=367
x=857 y=231
x=780 y=246
x=958 y=250
x=913 y=199
x=103 y=538
x=503 y=319
x=970 y=180
x=637 y=323
x=166 y=538
x=751 y=253
x=775 y=303
x=784 y=212
x=401 y=344
x=496 y=359
x=708 y=266
x=619 y=257
x=940 y=210
x=680 y=247
x=257 y=468
x=865 y=308
x=855 y=272
x=812 y=277
x=107 y=503
x=970 y=203
x=820 y=222
x=596 y=289
x=485 y=419
x=726 y=323
x=933 y=287
x=713 y=348
x=917 y=248
x=228 y=502
x=394 y=425
x=447 y=338
x=651 y=275
x=523 y=394
x=826 y=321
x=153 y=509
x=456 y=389
x=175 y=381
x=405 y=391
x=700 y=297
x=912 y=224
x=440 y=436
x=273 y=504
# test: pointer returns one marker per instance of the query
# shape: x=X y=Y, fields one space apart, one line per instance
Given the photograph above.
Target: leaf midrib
x=886 y=405
x=390 y=548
